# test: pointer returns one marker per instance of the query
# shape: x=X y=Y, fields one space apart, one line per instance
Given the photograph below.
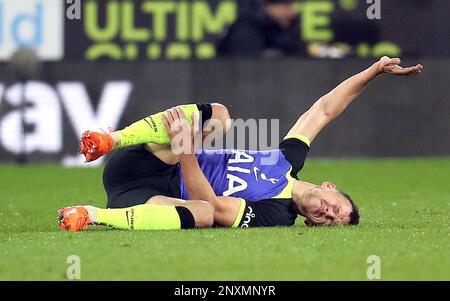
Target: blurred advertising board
x=37 y=24
x=150 y=30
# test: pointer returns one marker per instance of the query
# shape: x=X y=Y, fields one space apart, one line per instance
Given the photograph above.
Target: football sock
x=150 y=129
x=147 y=217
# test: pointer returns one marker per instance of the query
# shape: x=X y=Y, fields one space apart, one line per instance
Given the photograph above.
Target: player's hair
x=354 y=216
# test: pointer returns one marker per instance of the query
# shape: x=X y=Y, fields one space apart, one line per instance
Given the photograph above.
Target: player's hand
x=182 y=134
x=392 y=66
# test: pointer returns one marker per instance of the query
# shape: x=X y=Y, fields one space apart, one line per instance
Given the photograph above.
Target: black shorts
x=133 y=175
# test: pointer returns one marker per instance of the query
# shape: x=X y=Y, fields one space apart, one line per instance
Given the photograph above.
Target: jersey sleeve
x=295 y=149
x=266 y=213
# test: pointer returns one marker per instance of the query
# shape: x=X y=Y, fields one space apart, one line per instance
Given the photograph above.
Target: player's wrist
x=187 y=157
x=377 y=69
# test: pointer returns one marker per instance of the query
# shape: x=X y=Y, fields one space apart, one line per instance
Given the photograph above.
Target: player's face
x=325 y=206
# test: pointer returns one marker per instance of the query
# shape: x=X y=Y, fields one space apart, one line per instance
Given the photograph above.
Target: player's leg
x=175 y=214
x=135 y=182
x=202 y=211
x=216 y=127
x=149 y=130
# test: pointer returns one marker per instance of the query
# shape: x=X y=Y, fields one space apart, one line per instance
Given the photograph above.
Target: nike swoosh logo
x=255 y=171
x=127 y=213
x=263 y=176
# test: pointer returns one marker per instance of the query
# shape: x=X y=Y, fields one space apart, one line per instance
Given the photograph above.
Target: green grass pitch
x=405 y=208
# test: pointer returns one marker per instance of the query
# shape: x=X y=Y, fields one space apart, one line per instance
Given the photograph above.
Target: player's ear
x=328 y=186
x=309 y=223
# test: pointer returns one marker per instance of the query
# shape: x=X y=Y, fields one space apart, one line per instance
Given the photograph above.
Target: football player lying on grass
x=150 y=187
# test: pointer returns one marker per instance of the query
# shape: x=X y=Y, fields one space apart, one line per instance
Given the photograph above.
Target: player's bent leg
x=148 y=130
x=216 y=127
x=151 y=129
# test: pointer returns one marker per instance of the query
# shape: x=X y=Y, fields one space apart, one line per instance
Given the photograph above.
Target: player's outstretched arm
x=331 y=105
x=197 y=185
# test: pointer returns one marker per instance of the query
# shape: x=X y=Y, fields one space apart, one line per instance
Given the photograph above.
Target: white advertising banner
x=36 y=24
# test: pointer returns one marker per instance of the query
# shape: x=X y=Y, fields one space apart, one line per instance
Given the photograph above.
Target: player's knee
x=204 y=217
x=220 y=110
x=208 y=218
x=221 y=114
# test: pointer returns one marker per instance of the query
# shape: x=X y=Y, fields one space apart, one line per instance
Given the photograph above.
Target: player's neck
x=299 y=189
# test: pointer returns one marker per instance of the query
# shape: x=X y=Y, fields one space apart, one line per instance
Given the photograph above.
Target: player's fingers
x=195 y=117
x=177 y=113
x=419 y=68
x=169 y=120
x=173 y=121
x=195 y=123
x=179 y=122
x=394 y=61
x=166 y=123
x=414 y=70
x=173 y=111
x=181 y=113
x=408 y=71
x=183 y=120
x=404 y=71
x=169 y=116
